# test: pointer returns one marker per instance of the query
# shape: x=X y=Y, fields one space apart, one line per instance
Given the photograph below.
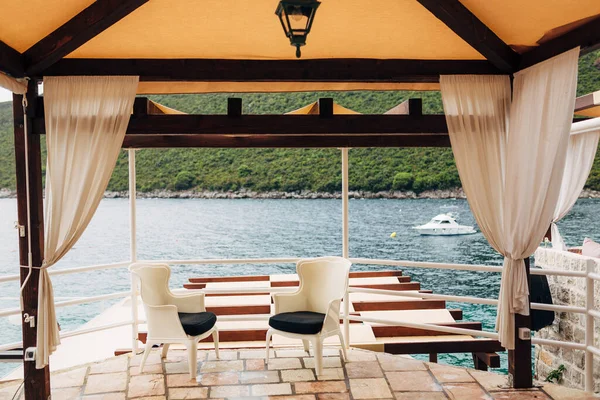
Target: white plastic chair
x=162 y=314
x=323 y=284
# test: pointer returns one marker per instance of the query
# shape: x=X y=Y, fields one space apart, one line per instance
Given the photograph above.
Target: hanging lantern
x=296 y=18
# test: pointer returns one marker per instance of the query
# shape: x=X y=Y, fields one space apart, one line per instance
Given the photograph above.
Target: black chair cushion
x=302 y=322
x=195 y=324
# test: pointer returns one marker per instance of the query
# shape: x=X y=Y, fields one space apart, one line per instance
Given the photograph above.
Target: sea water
x=248 y=228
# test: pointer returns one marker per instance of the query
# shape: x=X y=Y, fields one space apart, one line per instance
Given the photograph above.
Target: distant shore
x=248 y=194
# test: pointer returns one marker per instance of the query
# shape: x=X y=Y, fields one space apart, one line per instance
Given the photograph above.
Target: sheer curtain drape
x=583 y=144
x=510 y=158
x=86 y=120
x=17 y=86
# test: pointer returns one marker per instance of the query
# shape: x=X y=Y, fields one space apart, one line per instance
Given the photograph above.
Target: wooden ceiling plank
x=587 y=36
x=316 y=70
x=10 y=61
x=96 y=18
x=466 y=25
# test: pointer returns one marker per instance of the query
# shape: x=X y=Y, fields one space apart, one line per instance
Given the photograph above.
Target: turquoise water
x=193 y=229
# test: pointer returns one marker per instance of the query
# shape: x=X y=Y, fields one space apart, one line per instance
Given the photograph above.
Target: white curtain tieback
x=27 y=266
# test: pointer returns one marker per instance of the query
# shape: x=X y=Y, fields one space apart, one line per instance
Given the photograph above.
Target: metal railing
x=588 y=310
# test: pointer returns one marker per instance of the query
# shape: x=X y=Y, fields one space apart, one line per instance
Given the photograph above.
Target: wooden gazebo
x=191 y=46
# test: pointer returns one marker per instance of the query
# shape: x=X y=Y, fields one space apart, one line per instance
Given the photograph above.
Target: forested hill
x=291 y=169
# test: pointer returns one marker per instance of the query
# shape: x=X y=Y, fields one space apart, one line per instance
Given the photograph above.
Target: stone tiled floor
x=289 y=375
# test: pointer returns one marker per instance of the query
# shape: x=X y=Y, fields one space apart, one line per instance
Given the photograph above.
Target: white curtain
x=17 y=86
x=86 y=120
x=510 y=161
x=583 y=144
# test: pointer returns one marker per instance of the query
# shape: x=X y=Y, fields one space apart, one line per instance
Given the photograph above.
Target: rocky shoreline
x=248 y=194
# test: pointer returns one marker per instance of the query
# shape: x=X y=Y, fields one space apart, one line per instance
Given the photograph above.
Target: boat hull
x=445 y=231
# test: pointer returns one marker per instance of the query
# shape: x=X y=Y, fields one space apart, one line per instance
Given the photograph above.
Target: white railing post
x=345 y=239
x=589 y=327
x=133 y=248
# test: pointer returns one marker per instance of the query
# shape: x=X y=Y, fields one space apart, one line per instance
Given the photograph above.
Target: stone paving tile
x=333 y=396
x=284 y=363
x=188 y=393
x=420 y=396
x=446 y=373
x=224 y=355
x=465 y=391
x=563 y=393
x=297 y=375
x=180 y=380
x=259 y=377
x=153 y=358
x=181 y=355
x=254 y=354
x=218 y=378
x=291 y=353
x=72 y=393
x=70 y=378
x=490 y=381
x=148 y=369
x=255 y=365
x=118 y=364
x=328 y=362
x=222 y=366
x=521 y=395
x=104 y=396
x=320 y=387
x=104 y=383
x=412 y=381
x=408 y=378
x=229 y=391
x=394 y=363
x=331 y=352
x=146 y=385
x=176 y=367
x=272 y=389
x=365 y=369
x=373 y=388
x=331 y=374
x=357 y=355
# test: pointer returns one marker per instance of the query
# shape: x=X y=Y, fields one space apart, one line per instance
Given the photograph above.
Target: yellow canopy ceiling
x=234 y=29
x=313 y=108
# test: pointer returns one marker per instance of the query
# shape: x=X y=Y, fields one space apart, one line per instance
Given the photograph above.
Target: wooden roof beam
x=465 y=24
x=10 y=61
x=96 y=18
x=587 y=36
x=306 y=70
x=266 y=141
x=277 y=125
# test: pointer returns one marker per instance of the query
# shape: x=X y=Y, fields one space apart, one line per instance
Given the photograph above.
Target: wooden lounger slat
x=449 y=346
x=397 y=331
x=399 y=305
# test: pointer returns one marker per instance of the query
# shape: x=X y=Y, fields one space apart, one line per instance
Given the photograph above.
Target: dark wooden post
x=326 y=107
x=37 y=381
x=234 y=107
x=519 y=359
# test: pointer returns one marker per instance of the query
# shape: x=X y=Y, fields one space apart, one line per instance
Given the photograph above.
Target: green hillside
x=291 y=169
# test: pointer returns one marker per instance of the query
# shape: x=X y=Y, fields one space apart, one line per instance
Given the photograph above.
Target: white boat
x=444 y=225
